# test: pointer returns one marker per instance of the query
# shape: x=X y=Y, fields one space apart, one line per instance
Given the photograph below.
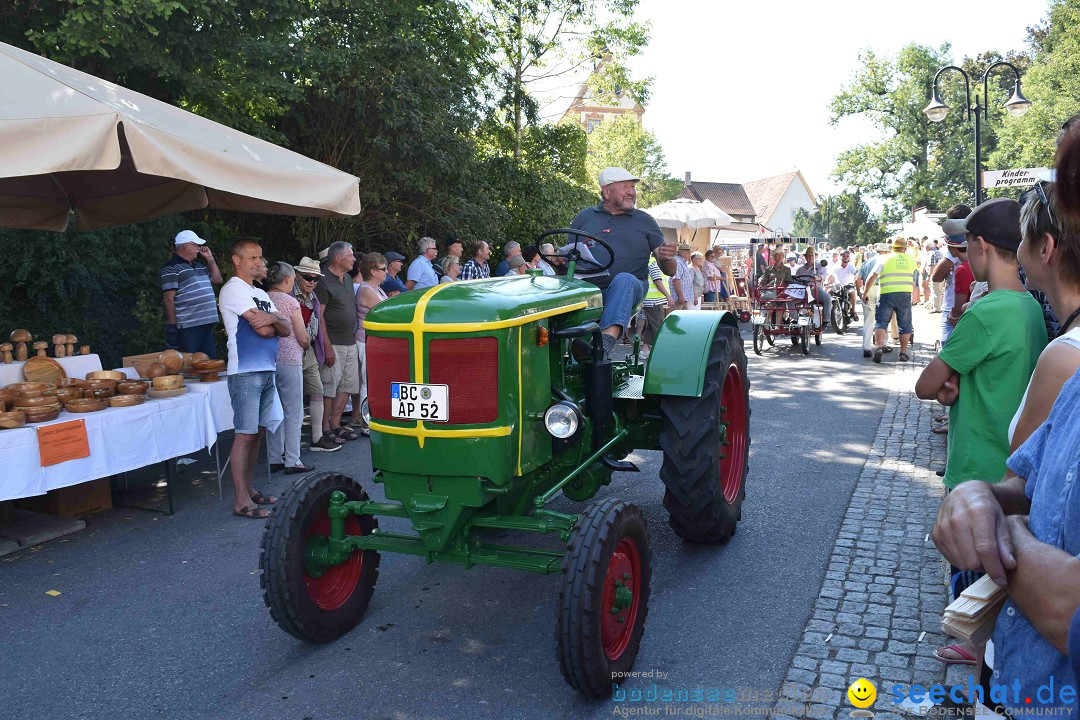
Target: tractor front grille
x=470 y=367
x=388 y=361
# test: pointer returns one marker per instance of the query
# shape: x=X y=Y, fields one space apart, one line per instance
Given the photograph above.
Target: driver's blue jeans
x=620 y=299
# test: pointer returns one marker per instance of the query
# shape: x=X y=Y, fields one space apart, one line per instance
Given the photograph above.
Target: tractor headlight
x=562 y=420
x=365 y=412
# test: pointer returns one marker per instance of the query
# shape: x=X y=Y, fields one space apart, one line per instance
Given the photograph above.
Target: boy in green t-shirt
x=984 y=368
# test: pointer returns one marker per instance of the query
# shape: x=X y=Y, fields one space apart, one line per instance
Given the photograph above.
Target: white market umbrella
x=71 y=141
x=687 y=213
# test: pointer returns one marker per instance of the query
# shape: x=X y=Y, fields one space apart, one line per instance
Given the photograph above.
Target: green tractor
x=480 y=415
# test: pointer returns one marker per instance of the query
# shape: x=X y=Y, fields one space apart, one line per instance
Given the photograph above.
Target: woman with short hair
x=284 y=443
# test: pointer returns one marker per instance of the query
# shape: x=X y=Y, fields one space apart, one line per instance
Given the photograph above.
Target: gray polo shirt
x=339 y=308
x=633 y=236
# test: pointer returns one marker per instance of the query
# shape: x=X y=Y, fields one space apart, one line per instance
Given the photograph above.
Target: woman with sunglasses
x=372 y=274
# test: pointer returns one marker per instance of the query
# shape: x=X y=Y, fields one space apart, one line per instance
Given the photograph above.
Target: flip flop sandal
x=365 y=432
x=960 y=656
x=252 y=512
x=344 y=433
x=903 y=357
x=259 y=499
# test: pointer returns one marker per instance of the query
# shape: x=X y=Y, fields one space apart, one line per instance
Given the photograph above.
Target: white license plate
x=804 y=321
x=758 y=319
x=413 y=401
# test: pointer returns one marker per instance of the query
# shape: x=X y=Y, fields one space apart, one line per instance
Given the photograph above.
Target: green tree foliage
x=537 y=40
x=1053 y=86
x=844 y=218
x=917 y=163
x=623 y=142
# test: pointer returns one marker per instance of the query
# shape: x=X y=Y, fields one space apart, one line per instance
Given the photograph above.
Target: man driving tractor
x=634 y=236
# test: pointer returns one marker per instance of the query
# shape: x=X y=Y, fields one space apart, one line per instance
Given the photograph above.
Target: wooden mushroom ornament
x=58 y=345
x=5 y=352
x=21 y=337
x=40 y=346
x=70 y=350
x=84 y=350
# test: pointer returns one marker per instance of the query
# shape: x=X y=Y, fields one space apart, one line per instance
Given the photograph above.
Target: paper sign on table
x=62 y=442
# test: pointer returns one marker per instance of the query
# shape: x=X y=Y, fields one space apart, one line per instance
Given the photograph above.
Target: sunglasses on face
x=381 y=269
x=311 y=278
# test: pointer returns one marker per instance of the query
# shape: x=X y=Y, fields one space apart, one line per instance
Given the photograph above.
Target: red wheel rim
x=622 y=587
x=733 y=452
x=334 y=587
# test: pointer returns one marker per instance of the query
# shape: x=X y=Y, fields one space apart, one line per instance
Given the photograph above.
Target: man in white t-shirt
x=843 y=274
x=253 y=330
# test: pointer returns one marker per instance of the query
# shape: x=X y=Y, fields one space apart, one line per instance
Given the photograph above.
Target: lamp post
x=828 y=215
x=1017 y=105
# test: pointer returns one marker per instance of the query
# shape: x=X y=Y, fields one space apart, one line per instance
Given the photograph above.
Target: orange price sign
x=62 y=442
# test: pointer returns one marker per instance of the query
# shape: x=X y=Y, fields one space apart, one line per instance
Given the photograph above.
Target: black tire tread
x=279 y=535
x=689 y=438
x=577 y=609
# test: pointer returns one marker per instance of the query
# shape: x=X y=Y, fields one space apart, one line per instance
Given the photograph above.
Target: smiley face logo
x=862 y=693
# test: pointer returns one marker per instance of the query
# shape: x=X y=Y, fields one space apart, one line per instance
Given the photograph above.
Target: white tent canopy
x=69 y=140
x=686 y=213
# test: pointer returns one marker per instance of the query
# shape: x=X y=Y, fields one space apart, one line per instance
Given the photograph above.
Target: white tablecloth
x=120 y=439
x=75 y=366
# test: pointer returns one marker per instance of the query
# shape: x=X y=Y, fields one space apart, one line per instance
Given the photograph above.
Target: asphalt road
x=163 y=616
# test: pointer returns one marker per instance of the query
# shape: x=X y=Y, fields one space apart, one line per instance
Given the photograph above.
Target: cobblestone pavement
x=885 y=584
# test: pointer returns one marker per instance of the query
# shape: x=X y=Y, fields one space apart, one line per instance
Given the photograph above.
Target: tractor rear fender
x=681 y=351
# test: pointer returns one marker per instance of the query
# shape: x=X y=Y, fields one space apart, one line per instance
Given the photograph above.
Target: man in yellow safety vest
x=895 y=277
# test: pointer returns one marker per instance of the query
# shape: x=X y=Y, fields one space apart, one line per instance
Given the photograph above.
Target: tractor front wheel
x=313 y=601
x=706 y=444
x=604 y=596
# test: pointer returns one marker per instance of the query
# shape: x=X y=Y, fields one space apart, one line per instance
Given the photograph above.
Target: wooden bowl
x=7 y=396
x=42 y=417
x=102 y=383
x=101 y=393
x=209 y=377
x=168 y=382
x=12 y=420
x=22 y=401
x=132 y=387
x=208 y=366
x=73 y=383
x=106 y=375
x=197 y=357
x=156 y=370
x=172 y=360
x=86 y=405
x=65 y=394
x=126 y=400
x=30 y=389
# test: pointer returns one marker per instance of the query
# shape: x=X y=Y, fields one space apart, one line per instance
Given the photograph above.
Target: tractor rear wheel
x=604 y=596
x=706 y=444
x=311 y=602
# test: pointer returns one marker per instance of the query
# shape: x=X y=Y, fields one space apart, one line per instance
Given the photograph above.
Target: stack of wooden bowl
x=102 y=384
x=12 y=420
x=85 y=405
x=31 y=400
x=167 y=386
x=208 y=370
x=128 y=393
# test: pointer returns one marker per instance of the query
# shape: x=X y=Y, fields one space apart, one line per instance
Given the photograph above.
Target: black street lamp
x=828 y=215
x=1017 y=105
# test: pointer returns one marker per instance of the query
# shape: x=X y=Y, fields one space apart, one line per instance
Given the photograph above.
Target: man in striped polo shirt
x=187 y=289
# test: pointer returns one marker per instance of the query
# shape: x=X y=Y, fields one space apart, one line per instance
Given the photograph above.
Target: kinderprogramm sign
x=1011 y=178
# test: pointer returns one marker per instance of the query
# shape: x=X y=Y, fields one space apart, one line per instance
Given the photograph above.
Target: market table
x=120 y=440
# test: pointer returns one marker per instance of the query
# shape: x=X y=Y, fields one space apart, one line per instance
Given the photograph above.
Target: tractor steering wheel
x=574 y=254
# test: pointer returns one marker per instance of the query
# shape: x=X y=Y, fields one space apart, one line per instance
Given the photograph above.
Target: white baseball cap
x=614 y=175
x=188 y=236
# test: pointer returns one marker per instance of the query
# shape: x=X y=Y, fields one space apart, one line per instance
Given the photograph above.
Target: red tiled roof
x=729 y=197
x=766 y=194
